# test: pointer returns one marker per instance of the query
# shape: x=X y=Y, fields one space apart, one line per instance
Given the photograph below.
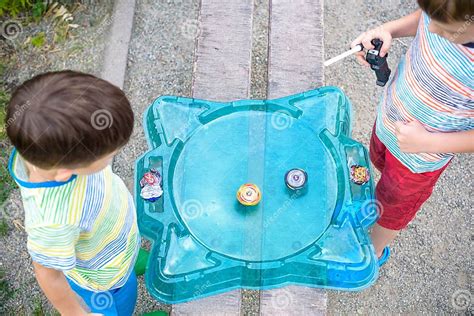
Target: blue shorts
x=116 y=302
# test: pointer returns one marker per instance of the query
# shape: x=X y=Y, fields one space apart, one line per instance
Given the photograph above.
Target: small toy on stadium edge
x=359 y=174
x=249 y=194
x=150 y=185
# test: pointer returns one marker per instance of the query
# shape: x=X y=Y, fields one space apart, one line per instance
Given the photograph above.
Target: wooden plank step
x=226 y=304
x=221 y=72
x=293 y=300
x=296 y=52
x=222 y=62
x=296 y=49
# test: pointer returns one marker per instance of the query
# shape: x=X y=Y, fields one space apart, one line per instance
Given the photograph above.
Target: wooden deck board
x=296 y=55
x=296 y=49
x=221 y=72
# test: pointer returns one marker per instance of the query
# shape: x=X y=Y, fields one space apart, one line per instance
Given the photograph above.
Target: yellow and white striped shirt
x=85 y=226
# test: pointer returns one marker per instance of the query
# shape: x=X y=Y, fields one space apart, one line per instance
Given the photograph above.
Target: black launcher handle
x=377 y=63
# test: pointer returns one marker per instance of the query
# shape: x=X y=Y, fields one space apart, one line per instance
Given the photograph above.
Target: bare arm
x=413 y=138
x=458 y=142
x=405 y=26
x=57 y=290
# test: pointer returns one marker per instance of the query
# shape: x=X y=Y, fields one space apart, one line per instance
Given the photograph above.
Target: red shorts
x=399 y=191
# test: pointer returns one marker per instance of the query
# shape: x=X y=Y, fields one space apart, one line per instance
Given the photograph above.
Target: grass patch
x=7 y=184
x=14 y=7
x=38 y=308
x=38 y=40
x=5 y=149
x=6 y=293
x=4 y=97
x=3 y=228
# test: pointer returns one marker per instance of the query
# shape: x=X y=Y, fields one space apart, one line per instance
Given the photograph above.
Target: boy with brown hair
x=427 y=110
x=79 y=216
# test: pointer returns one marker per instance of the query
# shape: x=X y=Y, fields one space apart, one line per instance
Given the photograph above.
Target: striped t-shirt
x=85 y=227
x=433 y=84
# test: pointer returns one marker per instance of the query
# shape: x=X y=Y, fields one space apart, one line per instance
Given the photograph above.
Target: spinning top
x=296 y=179
x=150 y=185
x=249 y=194
x=359 y=174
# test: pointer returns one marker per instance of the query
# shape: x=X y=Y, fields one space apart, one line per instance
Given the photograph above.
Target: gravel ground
x=83 y=52
x=430 y=263
x=431 y=266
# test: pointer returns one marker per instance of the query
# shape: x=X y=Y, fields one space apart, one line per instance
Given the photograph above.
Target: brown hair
x=68 y=119
x=446 y=11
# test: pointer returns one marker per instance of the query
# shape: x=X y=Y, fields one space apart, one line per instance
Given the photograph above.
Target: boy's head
x=451 y=19
x=68 y=122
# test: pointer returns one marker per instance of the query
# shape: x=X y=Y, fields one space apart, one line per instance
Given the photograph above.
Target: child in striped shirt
x=427 y=110
x=79 y=216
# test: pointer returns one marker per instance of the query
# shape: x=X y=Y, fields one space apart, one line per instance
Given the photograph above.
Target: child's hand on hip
x=366 y=38
x=412 y=137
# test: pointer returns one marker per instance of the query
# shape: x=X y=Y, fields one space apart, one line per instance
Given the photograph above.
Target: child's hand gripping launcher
x=377 y=63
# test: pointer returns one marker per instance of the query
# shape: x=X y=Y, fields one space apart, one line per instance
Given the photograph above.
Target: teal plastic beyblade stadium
x=313 y=197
